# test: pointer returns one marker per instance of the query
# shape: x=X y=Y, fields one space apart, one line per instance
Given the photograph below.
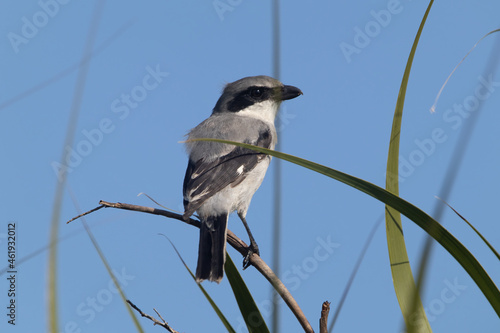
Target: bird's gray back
x=233 y=127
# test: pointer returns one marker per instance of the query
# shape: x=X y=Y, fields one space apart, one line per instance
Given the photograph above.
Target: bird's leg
x=253 y=248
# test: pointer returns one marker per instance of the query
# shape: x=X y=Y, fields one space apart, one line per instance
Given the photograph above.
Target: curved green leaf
x=495 y=252
x=219 y=313
x=402 y=277
x=354 y=272
x=415 y=214
x=433 y=107
x=251 y=314
x=113 y=277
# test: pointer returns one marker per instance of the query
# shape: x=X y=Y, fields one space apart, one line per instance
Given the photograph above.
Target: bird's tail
x=212 y=248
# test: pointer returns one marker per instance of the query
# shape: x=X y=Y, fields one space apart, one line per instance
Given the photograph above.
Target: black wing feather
x=211 y=177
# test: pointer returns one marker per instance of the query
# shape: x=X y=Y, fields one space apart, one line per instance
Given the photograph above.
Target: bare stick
x=236 y=243
x=86 y=213
x=163 y=324
x=323 y=321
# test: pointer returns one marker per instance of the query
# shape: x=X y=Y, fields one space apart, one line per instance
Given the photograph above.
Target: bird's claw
x=252 y=249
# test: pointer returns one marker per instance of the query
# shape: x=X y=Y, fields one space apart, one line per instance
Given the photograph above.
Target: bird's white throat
x=265 y=111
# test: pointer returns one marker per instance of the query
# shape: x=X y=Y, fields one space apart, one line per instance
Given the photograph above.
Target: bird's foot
x=252 y=249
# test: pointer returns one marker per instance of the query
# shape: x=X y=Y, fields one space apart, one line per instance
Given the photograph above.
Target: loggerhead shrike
x=222 y=178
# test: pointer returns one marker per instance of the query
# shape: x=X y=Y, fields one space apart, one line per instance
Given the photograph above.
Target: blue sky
x=157 y=70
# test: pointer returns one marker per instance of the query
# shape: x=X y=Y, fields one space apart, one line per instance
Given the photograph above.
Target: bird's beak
x=289 y=92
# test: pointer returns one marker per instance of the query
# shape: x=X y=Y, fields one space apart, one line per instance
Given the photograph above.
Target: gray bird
x=222 y=178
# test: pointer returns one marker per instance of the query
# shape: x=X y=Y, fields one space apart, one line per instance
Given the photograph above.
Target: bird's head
x=255 y=96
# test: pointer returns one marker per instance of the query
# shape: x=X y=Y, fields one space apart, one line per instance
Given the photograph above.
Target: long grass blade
x=454 y=165
x=52 y=307
x=219 y=313
x=354 y=273
x=106 y=264
x=277 y=198
x=433 y=107
x=461 y=254
x=407 y=292
x=113 y=277
x=475 y=230
x=65 y=72
x=159 y=204
x=249 y=310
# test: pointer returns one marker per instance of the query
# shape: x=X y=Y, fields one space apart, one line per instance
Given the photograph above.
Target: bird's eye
x=256 y=92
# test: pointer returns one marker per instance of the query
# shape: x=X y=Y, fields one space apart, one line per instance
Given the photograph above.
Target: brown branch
x=268 y=273
x=163 y=324
x=323 y=321
x=86 y=213
x=232 y=240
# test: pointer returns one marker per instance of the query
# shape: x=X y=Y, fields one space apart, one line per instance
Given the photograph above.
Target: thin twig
x=163 y=324
x=237 y=244
x=86 y=213
x=323 y=320
x=159 y=315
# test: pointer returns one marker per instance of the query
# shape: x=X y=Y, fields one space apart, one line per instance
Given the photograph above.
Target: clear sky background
x=343 y=120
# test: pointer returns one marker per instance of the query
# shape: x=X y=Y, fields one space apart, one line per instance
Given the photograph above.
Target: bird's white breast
x=236 y=198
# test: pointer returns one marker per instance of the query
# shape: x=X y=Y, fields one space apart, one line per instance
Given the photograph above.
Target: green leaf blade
x=251 y=314
x=113 y=278
x=407 y=292
x=495 y=252
x=219 y=313
x=415 y=214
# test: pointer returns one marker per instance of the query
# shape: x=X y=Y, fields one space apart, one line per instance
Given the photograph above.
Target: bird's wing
x=204 y=179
